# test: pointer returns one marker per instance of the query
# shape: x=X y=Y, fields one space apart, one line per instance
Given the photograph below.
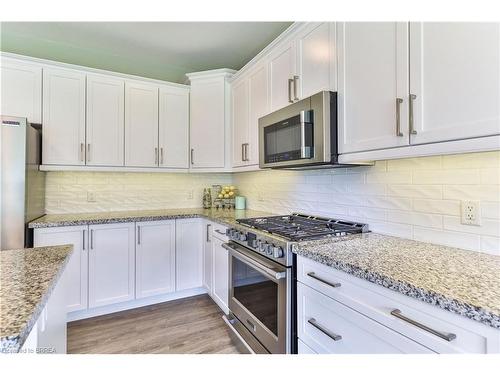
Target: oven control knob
x=278 y=252
x=242 y=237
x=263 y=246
x=253 y=244
x=228 y=232
x=269 y=249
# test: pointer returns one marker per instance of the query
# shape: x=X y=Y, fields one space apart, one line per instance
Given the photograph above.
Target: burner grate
x=298 y=227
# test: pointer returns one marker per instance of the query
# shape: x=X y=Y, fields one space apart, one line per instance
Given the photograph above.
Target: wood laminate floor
x=190 y=325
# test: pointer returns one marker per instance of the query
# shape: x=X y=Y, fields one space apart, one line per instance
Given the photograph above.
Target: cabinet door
x=208 y=260
x=207 y=130
x=316 y=59
x=111 y=263
x=21 y=90
x=221 y=274
x=174 y=128
x=455 y=77
x=239 y=105
x=105 y=120
x=77 y=268
x=189 y=253
x=63 y=117
x=155 y=258
x=373 y=73
x=258 y=107
x=281 y=69
x=141 y=125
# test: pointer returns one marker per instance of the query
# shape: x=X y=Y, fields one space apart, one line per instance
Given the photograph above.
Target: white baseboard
x=122 y=306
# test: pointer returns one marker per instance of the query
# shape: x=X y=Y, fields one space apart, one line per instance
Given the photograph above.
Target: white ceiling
x=162 y=50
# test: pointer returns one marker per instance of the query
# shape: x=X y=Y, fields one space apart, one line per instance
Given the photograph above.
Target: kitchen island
x=31 y=279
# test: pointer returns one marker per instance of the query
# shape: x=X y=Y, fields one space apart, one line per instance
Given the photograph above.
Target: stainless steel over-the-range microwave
x=302 y=135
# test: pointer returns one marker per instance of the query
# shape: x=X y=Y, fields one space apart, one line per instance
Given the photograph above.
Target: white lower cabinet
x=326 y=292
x=221 y=274
x=77 y=268
x=155 y=258
x=328 y=326
x=303 y=348
x=189 y=253
x=111 y=263
x=208 y=259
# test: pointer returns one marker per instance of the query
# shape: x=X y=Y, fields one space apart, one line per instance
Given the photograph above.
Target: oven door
x=259 y=296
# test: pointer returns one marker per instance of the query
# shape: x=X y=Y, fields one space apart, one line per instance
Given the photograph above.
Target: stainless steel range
x=262 y=273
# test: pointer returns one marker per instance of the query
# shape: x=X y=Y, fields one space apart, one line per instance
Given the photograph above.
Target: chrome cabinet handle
x=290 y=82
x=156 y=155
x=329 y=283
x=208 y=232
x=327 y=332
x=91 y=239
x=242 y=152
x=398 y=117
x=83 y=242
x=138 y=235
x=192 y=156
x=295 y=79
x=88 y=152
x=161 y=155
x=82 y=151
x=410 y=109
x=445 y=336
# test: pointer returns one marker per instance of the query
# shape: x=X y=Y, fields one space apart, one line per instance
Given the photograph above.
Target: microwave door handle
x=304 y=152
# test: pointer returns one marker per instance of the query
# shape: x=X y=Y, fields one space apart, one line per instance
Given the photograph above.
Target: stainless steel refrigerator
x=22 y=184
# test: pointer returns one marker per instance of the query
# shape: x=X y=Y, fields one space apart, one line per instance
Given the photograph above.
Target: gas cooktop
x=299 y=227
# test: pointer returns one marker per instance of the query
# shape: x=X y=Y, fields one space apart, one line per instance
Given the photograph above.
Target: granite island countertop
x=461 y=281
x=27 y=278
x=223 y=216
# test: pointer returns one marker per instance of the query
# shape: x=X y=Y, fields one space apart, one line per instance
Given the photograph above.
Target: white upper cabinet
x=105 y=120
x=141 y=125
x=455 y=80
x=174 y=127
x=240 y=121
x=282 y=70
x=258 y=106
x=316 y=60
x=209 y=120
x=155 y=258
x=63 y=117
x=111 y=263
x=189 y=253
x=21 y=90
x=372 y=85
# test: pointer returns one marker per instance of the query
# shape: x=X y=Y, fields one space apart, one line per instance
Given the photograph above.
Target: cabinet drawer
x=219 y=231
x=377 y=303
x=327 y=326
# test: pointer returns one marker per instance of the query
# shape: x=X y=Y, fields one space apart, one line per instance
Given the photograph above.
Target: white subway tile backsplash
x=415 y=198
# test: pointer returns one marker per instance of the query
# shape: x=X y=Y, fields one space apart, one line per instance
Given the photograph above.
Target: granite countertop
x=223 y=216
x=460 y=281
x=27 y=278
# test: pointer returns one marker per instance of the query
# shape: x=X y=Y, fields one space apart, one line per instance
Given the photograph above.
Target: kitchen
x=336 y=191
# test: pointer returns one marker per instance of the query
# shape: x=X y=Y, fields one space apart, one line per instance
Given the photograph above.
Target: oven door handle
x=272 y=272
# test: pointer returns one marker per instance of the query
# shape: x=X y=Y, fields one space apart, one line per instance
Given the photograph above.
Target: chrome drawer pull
x=399 y=133
x=331 y=335
x=412 y=125
x=329 y=283
x=445 y=336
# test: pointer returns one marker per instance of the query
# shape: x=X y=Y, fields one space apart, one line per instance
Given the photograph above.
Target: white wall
x=66 y=192
x=413 y=198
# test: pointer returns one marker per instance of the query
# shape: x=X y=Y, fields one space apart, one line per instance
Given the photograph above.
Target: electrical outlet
x=190 y=194
x=471 y=213
x=90 y=196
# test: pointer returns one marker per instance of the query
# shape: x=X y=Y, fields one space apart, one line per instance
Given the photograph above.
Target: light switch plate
x=471 y=213
x=90 y=196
